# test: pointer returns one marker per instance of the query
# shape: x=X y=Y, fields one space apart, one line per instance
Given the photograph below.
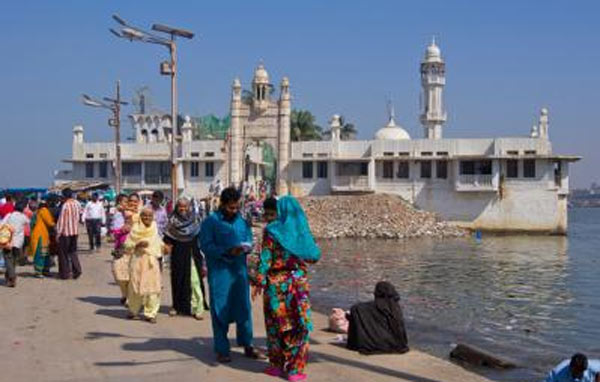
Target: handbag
x=6 y=235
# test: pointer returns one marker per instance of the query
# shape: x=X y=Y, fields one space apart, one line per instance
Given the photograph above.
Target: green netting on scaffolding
x=269 y=158
x=211 y=127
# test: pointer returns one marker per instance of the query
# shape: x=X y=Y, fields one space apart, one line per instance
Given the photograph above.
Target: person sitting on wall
x=377 y=327
x=578 y=368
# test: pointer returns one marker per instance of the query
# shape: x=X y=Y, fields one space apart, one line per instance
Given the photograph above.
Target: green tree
x=303 y=126
x=348 y=131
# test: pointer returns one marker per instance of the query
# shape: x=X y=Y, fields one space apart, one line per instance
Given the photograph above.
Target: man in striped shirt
x=67 y=229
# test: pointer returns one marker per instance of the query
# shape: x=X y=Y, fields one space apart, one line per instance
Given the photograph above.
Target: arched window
x=155 y=136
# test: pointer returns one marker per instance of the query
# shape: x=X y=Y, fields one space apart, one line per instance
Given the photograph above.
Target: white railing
x=350 y=183
x=477 y=182
x=146 y=150
x=310 y=147
x=133 y=180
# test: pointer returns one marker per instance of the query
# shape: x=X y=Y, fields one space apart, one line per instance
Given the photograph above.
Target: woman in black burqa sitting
x=377 y=327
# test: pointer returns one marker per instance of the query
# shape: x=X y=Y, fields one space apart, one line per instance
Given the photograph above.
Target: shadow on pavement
x=322 y=357
x=113 y=313
x=194 y=348
x=101 y=301
x=200 y=348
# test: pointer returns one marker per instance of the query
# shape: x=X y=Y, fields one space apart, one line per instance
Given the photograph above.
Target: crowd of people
x=35 y=232
x=213 y=240
x=216 y=248
x=205 y=240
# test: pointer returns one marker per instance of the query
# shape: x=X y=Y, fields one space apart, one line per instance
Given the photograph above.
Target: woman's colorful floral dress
x=283 y=278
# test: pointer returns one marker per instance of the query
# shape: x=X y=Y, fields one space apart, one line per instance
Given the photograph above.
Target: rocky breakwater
x=372 y=216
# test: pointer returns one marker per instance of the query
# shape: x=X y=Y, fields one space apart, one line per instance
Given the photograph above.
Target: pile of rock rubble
x=372 y=216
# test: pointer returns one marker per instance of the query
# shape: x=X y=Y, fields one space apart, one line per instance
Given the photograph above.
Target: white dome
x=392 y=132
x=433 y=53
x=261 y=75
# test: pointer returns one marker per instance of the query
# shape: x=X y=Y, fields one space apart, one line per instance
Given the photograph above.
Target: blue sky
x=505 y=60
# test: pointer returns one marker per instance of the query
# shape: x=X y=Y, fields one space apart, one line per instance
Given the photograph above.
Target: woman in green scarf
x=287 y=248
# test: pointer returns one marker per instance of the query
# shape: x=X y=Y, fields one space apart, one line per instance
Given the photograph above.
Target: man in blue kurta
x=577 y=369
x=225 y=239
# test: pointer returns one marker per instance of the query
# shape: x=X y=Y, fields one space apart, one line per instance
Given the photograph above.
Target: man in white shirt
x=17 y=220
x=94 y=216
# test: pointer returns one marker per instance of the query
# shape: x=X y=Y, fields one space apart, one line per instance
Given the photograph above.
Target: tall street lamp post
x=132 y=33
x=114 y=105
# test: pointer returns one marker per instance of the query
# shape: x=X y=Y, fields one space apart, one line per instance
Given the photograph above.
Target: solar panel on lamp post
x=134 y=33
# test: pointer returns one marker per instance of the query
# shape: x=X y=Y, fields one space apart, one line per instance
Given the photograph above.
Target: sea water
x=534 y=299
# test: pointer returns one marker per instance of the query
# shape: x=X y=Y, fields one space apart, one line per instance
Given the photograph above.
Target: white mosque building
x=495 y=184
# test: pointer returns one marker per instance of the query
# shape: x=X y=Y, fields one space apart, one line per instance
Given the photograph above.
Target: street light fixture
x=88 y=101
x=131 y=33
x=114 y=105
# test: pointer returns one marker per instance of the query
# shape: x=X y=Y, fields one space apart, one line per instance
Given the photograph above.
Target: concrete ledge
x=76 y=330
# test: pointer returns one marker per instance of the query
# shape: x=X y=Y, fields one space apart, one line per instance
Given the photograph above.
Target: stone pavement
x=75 y=330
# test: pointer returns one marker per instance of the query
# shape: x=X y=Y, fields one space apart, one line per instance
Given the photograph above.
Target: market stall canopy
x=79 y=186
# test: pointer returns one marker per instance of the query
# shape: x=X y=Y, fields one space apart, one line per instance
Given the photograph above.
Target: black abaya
x=377 y=327
x=181 y=267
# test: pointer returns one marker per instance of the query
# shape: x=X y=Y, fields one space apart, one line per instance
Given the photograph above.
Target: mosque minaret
x=433 y=80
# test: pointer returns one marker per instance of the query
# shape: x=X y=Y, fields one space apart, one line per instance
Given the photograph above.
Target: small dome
x=260 y=75
x=392 y=132
x=433 y=53
x=335 y=119
x=78 y=129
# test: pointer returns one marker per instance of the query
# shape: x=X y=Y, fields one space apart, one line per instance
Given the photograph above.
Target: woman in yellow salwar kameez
x=145 y=246
x=42 y=223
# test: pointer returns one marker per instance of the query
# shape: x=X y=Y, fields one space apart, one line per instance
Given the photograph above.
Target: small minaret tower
x=261 y=88
x=77 y=146
x=433 y=80
x=336 y=127
x=187 y=130
x=543 y=124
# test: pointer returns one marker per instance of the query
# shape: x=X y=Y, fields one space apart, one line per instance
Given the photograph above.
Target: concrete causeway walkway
x=75 y=330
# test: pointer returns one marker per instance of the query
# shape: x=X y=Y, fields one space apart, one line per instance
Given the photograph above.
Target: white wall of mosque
x=502 y=200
